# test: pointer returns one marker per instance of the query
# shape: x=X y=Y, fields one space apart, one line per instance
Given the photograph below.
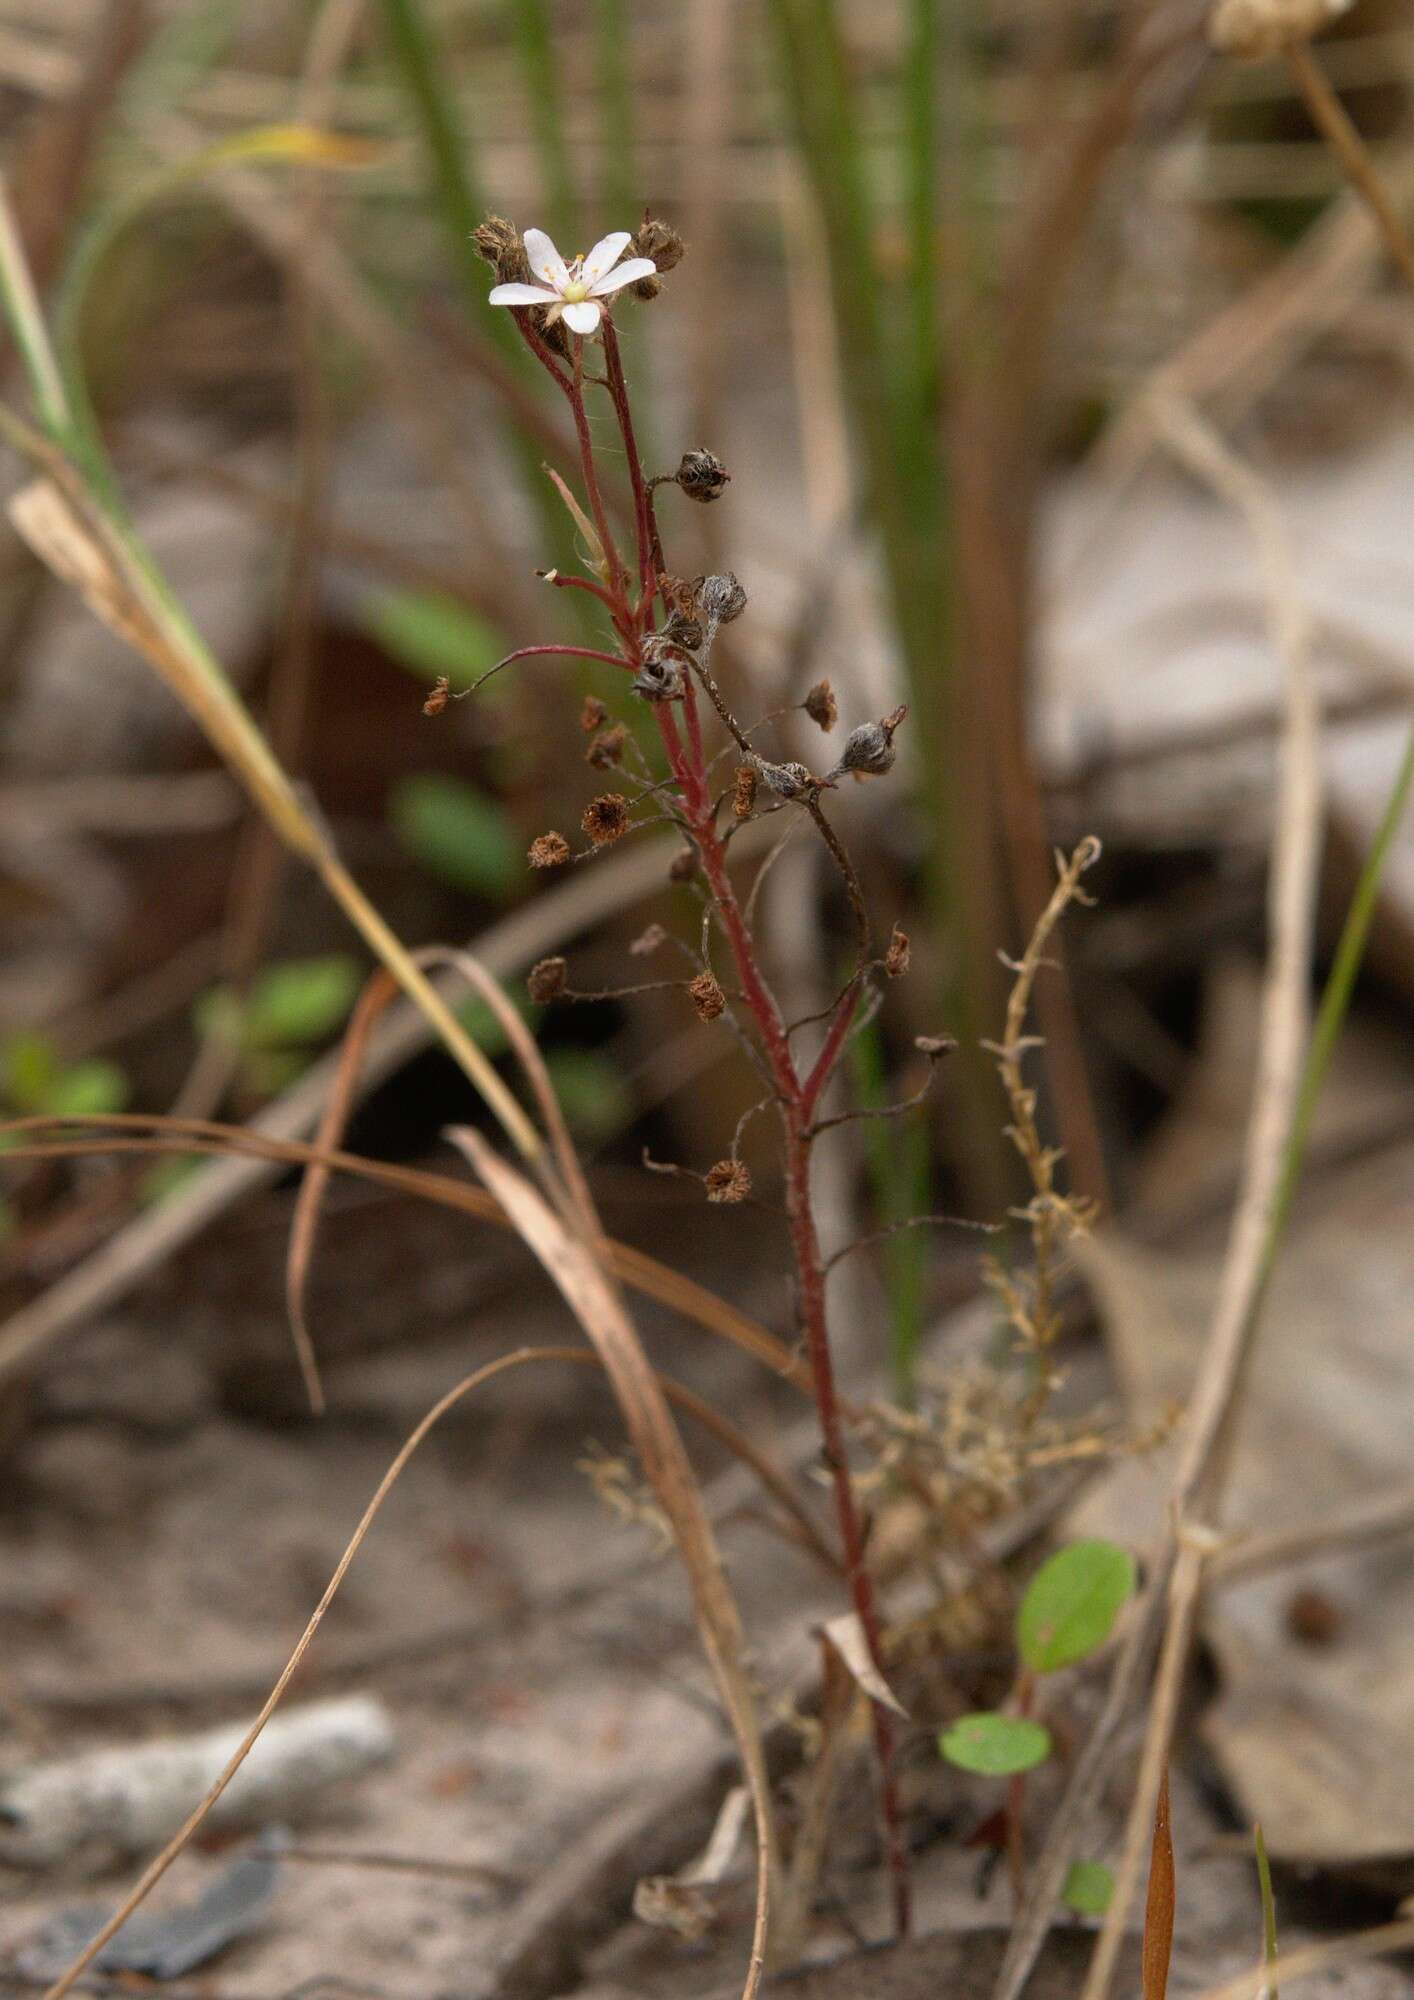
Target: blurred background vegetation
x=939 y=260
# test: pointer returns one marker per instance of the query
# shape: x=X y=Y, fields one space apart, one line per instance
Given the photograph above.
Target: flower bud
x=701 y=475
x=546 y=981
x=706 y=996
x=722 y=598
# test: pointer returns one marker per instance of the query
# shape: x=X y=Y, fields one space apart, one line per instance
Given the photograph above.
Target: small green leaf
x=219 y=1014
x=29 y=1064
x=431 y=634
x=300 y=1001
x=164 y=1178
x=457 y=833
x=593 y=1095
x=1088 y=1888
x=1071 y=1604
x=996 y=1746
x=88 y=1089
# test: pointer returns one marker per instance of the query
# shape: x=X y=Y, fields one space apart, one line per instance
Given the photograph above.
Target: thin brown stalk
x=1335 y=123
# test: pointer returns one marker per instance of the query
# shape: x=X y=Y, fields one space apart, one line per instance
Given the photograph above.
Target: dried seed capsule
x=683 y=865
x=706 y=996
x=897 y=956
x=728 y=1181
x=788 y=781
x=722 y=598
x=820 y=705
x=549 y=850
x=499 y=242
x=701 y=475
x=662 y=674
x=934 y=1047
x=606 y=818
x=607 y=749
x=659 y=240
x=869 y=749
x=744 y=792
x=684 y=632
x=593 y=715
x=441 y=694
x=546 y=981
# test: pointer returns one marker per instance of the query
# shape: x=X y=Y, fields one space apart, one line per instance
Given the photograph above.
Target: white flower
x=571 y=290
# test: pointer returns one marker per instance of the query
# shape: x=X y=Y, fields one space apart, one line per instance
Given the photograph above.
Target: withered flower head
x=678 y=594
x=744 y=792
x=606 y=818
x=549 y=850
x=441 y=694
x=607 y=749
x=869 y=749
x=659 y=241
x=722 y=598
x=706 y=996
x=546 y=981
x=499 y=242
x=899 y=953
x=820 y=705
x=593 y=715
x=648 y=941
x=728 y=1181
x=701 y=475
x=683 y=865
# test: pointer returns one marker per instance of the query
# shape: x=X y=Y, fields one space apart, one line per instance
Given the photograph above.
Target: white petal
x=582 y=316
x=545 y=260
x=624 y=274
x=523 y=295
x=606 y=251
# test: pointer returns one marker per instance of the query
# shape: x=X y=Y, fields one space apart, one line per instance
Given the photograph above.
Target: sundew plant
x=660 y=630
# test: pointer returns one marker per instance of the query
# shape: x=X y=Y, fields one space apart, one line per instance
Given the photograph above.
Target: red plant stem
x=591 y=475
x=562 y=582
x=572 y=652
x=796 y=1097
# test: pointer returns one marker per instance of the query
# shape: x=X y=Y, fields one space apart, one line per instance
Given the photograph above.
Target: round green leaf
x=301 y=1000
x=1088 y=1888
x=431 y=634
x=996 y=1746
x=458 y=833
x=1071 y=1604
x=88 y=1089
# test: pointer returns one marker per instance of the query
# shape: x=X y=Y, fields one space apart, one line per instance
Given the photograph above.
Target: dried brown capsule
x=722 y=598
x=678 y=594
x=546 y=981
x=899 y=953
x=728 y=1181
x=683 y=865
x=607 y=749
x=664 y=670
x=820 y=705
x=441 y=694
x=659 y=240
x=744 y=792
x=606 y=818
x=701 y=475
x=706 y=996
x=684 y=632
x=593 y=715
x=788 y=781
x=499 y=242
x=869 y=750
x=549 y=850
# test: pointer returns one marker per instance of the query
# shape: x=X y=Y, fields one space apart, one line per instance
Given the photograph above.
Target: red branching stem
x=563 y=582
x=823 y=1066
x=618 y=389
x=591 y=474
x=565 y=652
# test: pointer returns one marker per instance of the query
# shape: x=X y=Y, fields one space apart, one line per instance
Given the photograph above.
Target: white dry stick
x=131 y=1798
x=1177 y=1569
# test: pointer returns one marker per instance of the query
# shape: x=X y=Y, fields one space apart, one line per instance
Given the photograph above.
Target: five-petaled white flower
x=572 y=290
